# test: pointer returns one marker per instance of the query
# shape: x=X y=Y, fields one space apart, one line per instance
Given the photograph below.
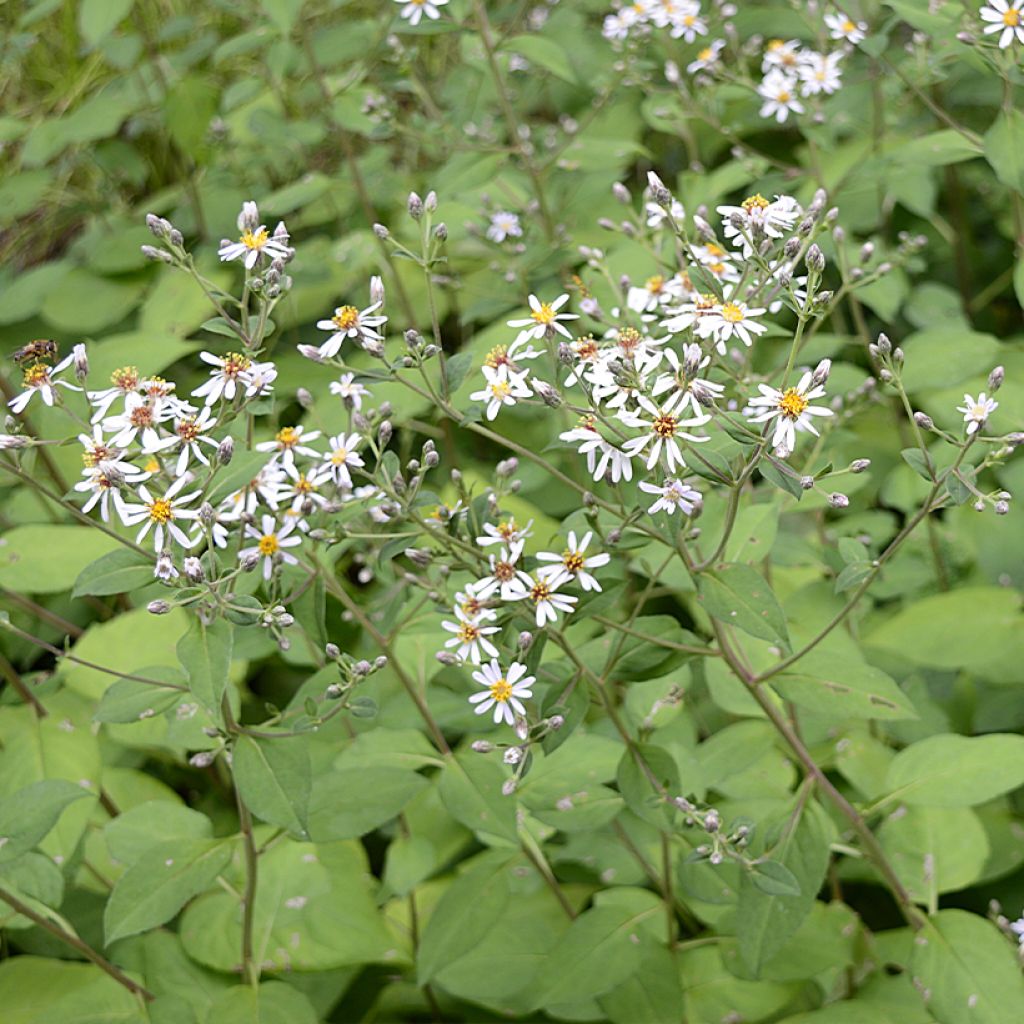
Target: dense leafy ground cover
x=508 y=512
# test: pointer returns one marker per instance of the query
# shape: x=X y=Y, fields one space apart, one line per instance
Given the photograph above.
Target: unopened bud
x=995 y=379
x=859 y=465
x=226 y=450
x=249 y=560
x=158 y=607
x=193 y=569
x=815 y=259
x=1001 y=508
x=304 y=398
x=415 y=206
x=376 y=289
x=525 y=641
x=333 y=651
x=924 y=421
x=384 y=432
x=447 y=658
x=482 y=746
x=430 y=203
x=418 y=557
x=821 y=372
x=512 y=755
x=441 y=232
x=508 y=787
x=334 y=691
x=867 y=250
x=381 y=232
x=659 y=193
x=712 y=821
x=806 y=482
x=621 y=193
x=203 y=759
x=838 y=500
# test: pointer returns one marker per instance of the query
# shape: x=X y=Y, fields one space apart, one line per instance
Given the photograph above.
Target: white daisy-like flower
x=470 y=637
x=672 y=494
x=96 y=449
x=689 y=314
x=615 y=27
x=686 y=22
x=350 y=322
x=819 y=73
x=781 y=54
x=502 y=388
x=349 y=390
x=731 y=319
x=443 y=514
x=502 y=576
x=191 y=433
x=779 y=92
x=40 y=379
x=255 y=241
x=506 y=532
x=544 y=317
x=259 y=379
x=341 y=456
x=272 y=542
x=104 y=489
x=288 y=441
x=141 y=419
x=300 y=488
x=662 y=431
x=547 y=601
x=613 y=462
x=1006 y=18
x=229 y=377
x=976 y=412
x=707 y=58
x=573 y=563
x=264 y=487
x=791 y=409
x=503 y=692
x=656 y=291
x=657 y=215
x=162 y=515
x=413 y=11
x=470 y=603
x=510 y=356
x=756 y=218
x=841 y=26
x=683 y=377
x=504 y=225
x=124 y=381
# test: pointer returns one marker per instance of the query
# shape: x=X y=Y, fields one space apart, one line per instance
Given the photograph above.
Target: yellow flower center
x=504 y=571
x=775 y=44
x=498 y=356
x=141 y=416
x=792 y=403
x=586 y=348
x=540 y=591
x=160 y=511
x=717 y=268
x=545 y=315
x=665 y=425
x=255 y=239
x=848 y=26
x=188 y=430
x=303 y=485
x=234 y=364
x=1011 y=18
x=572 y=560
x=287 y=437
x=95 y=454
x=507 y=530
x=345 y=318
x=629 y=339
x=714 y=250
x=269 y=544
x=706 y=54
x=126 y=378
x=784 y=96
x=655 y=284
x=756 y=201
x=471 y=606
x=37 y=375
x=501 y=690
x=732 y=313
x=500 y=389
x=338 y=456
x=689 y=20
x=468 y=633
x=152 y=465
x=705 y=302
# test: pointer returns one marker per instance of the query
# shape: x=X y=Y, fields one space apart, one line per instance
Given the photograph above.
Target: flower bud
x=712 y=821
x=384 y=432
x=815 y=259
x=193 y=569
x=807 y=482
x=1001 y=508
x=381 y=232
x=821 y=372
x=249 y=560
x=859 y=465
x=482 y=746
x=508 y=787
x=203 y=759
x=441 y=232
x=158 y=607
x=621 y=193
x=995 y=379
x=512 y=755
x=659 y=193
x=415 y=206
x=447 y=658
x=924 y=421
x=525 y=641
x=334 y=691
x=867 y=250
x=430 y=203
x=376 y=289
x=838 y=500
x=333 y=651
x=226 y=450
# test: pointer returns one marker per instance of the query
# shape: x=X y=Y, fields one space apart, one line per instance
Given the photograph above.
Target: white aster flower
x=1004 y=17
x=756 y=218
x=255 y=241
x=301 y=488
x=731 y=318
x=977 y=412
x=349 y=322
x=573 y=563
x=259 y=379
x=190 y=432
x=288 y=441
x=504 y=693
x=470 y=603
x=502 y=576
x=40 y=379
x=547 y=602
x=124 y=381
x=686 y=22
x=229 y=376
x=672 y=494
x=272 y=542
x=841 y=26
x=544 y=318
x=781 y=54
x=141 y=418
x=349 y=391
x=791 y=409
x=104 y=489
x=779 y=92
x=819 y=73
x=683 y=377
x=662 y=431
x=163 y=514
x=656 y=291
x=657 y=215
x=414 y=10
x=502 y=388
x=707 y=58
x=504 y=225
x=689 y=314
x=507 y=532
x=470 y=637
x=342 y=456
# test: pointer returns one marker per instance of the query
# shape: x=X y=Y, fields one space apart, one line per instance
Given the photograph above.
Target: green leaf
x=349 y=802
x=918 y=462
x=1004 y=149
x=98 y=18
x=28 y=816
x=470 y=908
x=636 y=787
x=456 y=368
x=957 y=771
x=314 y=911
x=546 y=53
x=163 y=879
x=471 y=791
x=737 y=595
x=189 y=106
x=283 y=13
x=274 y=778
x=117 y=572
x=86 y=303
x=34 y=879
x=205 y=654
x=138 y=829
x=969 y=969
x=936 y=149
x=652 y=995
x=273 y=1002
x=46 y=559
x=129 y=700
x=777 y=895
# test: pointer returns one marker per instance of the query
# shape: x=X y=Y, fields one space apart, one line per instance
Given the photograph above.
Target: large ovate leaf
x=274 y=778
x=738 y=595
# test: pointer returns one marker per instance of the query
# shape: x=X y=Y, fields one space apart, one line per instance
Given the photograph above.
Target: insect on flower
x=40 y=379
